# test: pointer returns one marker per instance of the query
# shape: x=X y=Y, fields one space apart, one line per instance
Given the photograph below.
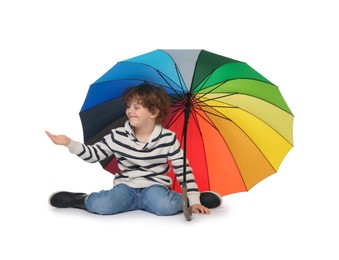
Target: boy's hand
x=59 y=139
x=197 y=208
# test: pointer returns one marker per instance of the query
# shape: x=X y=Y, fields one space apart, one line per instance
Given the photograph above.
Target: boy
x=142 y=148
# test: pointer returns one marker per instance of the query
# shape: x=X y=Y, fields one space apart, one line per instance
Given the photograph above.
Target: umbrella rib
x=217 y=129
x=213 y=114
x=234 y=93
x=246 y=133
x=195 y=115
x=215 y=98
x=217 y=86
x=205 y=79
x=162 y=76
x=249 y=112
x=257 y=148
x=224 y=117
x=175 y=118
x=176 y=92
x=200 y=103
x=180 y=78
x=226 y=143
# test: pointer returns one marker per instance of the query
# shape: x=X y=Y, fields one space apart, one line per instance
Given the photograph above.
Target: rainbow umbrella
x=233 y=123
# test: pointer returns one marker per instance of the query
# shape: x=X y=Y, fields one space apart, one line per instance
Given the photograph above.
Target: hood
x=151 y=142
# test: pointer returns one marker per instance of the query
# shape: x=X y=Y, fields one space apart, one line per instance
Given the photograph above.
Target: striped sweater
x=141 y=164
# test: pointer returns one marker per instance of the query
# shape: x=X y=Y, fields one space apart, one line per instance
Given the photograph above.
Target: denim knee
x=107 y=202
x=161 y=201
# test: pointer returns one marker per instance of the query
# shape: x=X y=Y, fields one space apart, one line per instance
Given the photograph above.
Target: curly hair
x=152 y=97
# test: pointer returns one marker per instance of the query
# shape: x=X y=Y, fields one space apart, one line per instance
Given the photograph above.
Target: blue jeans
x=155 y=199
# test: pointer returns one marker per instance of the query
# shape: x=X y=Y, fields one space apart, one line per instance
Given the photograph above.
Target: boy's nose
x=129 y=111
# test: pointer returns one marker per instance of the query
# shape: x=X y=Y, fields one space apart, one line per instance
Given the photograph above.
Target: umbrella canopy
x=239 y=127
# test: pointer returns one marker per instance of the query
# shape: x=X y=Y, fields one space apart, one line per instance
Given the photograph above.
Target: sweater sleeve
x=92 y=153
x=177 y=158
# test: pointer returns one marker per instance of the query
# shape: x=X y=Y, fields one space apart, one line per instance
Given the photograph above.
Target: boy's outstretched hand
x=59 y=139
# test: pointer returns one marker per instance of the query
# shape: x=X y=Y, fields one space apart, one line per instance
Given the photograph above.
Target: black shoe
x=64 y=199
x=210 y=199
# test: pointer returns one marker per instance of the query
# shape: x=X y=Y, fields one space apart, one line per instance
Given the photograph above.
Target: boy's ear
x=155 y=113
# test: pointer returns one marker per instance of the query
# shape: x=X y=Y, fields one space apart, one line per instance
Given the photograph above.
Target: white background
x=51 y=51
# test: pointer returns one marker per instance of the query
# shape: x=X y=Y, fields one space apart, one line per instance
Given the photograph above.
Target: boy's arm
x=176 y=158
x=89 y=153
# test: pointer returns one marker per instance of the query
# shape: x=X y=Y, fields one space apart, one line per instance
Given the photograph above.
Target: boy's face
x=139 y=115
